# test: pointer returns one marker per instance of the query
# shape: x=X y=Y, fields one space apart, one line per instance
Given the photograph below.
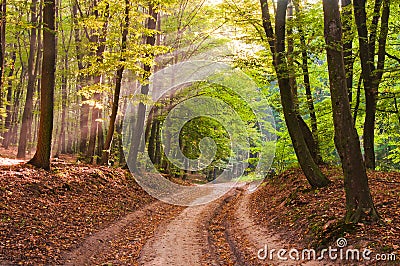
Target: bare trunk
x=64 y=96
x=359 y=204
x=3 y=10
x=138 y=131
x=28 y=109
x=371 y=75
x=117 y=91
x=84 y=110
x=43 y=151
x=15 y=108
x=358 y=96
x=348 y=36
x=93 y=129
x=306 y=161
x=7 y=124
x=313 y=141
x=96 y=129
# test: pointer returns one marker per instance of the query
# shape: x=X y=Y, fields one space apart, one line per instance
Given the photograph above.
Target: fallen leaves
x=44 y=214
x=315 y=217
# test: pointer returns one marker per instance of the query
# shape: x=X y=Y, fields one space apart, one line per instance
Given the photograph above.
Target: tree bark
x=347 y=18
x=138 y=130
x=371 y=75
x=359 y=204
x=100 y=136
x=96 y=129
x=3 y=21
x=357 y=104
x=93 y=129
x=7 y=123
x=84 y=110
x=43 y=151
x=64 y=98
x=152 y=140
x=117 y=91
x=370 y=94
x=313 y=145
x=313 y=174
x=28 y=109
x=15 y=108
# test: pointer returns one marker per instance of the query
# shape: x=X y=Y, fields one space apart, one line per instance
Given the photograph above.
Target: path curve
x=184 y=241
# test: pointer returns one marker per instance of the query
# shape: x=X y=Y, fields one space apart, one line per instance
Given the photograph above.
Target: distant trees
x=105 y=50
x=117 y=90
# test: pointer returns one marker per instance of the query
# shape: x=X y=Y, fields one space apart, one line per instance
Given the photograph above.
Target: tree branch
x=393 y=57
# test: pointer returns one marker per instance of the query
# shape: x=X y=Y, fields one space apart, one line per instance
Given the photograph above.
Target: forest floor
x=81 y=214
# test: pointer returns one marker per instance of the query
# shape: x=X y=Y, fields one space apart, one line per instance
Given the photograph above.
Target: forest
x=199 y=132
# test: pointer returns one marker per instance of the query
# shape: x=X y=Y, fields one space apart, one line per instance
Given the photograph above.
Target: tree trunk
x=138 y=130
x=43 y=151
x=359 y=204
x=96 y=129
x=3 y=20
x=117 y=91
x=28 y=109
x=93 y=129
x=307 y=163
x=100 y=136
x=7 y=124
x=158 y=155
x=313 y=142
x=15 y=108
x=357 y=104
x=64 y=96
x=84 y=110
x=371 y=77
x=119 y=144
x=348 y=36
x=152 y=140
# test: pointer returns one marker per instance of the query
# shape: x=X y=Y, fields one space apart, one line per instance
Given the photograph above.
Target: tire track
x=186 y=239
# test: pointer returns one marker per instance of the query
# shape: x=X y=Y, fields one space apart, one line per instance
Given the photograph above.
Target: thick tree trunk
x=43 y=151
x=306 y=161
x=359 y=204
x=138 y=130
x=28 y=109
x=117 y=91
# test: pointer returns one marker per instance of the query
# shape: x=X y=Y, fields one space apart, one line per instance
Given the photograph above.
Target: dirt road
x=219 y=233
